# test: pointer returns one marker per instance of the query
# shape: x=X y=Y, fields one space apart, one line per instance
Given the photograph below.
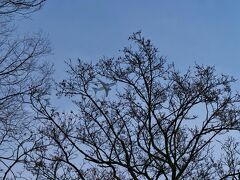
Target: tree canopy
x=21 y=74
x=154 y=123
x=135 y=116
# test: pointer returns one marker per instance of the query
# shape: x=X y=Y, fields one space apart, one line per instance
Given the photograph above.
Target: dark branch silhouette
x=21 y=75
x=23 y=7
x=156 y=123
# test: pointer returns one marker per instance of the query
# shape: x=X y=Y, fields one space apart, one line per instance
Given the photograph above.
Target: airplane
x=105 y=86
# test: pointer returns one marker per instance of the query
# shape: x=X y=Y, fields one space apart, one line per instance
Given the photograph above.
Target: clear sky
x=186 y=31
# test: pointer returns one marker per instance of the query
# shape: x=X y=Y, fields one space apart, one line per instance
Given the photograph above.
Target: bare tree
x=20 y=76
x=23 y=7
x=155 y=123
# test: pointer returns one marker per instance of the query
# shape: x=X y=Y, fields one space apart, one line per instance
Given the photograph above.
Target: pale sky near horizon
x=206 y=32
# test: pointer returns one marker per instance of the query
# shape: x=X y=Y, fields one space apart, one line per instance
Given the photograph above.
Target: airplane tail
x=95 y=90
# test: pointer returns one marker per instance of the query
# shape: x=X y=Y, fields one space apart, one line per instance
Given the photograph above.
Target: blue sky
x=187 y=31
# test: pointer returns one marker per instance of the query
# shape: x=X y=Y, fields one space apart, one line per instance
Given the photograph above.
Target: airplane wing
x=98 y=89
x=107 y=84
x=112 y=84
x=103 y=83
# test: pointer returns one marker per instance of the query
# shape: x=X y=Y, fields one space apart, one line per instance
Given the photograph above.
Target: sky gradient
x=205 y=32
